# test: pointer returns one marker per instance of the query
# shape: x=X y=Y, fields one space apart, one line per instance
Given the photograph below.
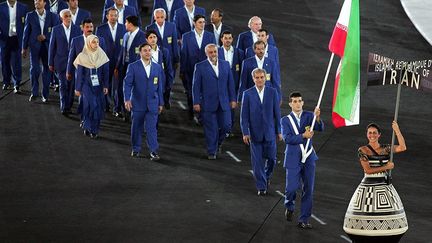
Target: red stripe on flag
x=338 y=39
x=337 y=120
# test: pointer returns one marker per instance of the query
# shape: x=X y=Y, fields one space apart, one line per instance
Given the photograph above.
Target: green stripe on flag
x=350 y=69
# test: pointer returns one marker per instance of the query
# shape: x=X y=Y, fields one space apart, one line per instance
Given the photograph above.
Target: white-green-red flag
x=345 y=42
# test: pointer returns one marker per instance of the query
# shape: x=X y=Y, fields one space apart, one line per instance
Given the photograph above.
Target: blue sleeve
x=26 y=34
x=71 y=58
x=277 y=114
x=196 y=85
x=169 y=71
x=79 y=78
x=231 y=86
x=288 y=133
x=105 y=75
x=161 y=87
x=128 y=82
x=52 y=47
x=244 y=115
x=243 y=80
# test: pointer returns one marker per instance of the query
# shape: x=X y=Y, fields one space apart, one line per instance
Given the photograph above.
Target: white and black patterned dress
x=375 y=212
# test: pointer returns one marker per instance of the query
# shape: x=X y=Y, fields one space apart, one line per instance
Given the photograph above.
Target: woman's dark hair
x=374 y=125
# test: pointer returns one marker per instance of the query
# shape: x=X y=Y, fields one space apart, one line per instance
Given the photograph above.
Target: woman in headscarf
x=91 y=82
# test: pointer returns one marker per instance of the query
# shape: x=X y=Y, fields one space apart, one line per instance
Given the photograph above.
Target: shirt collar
x=259 y=90
x=142 y=61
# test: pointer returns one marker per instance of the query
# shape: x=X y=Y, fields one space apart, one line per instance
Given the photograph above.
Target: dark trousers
x=38 y=60
x=11 y=61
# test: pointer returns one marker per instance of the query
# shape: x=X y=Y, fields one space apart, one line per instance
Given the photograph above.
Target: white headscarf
x=90 y=58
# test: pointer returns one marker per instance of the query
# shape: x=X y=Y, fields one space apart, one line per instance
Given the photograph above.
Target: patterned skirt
x=375 y=211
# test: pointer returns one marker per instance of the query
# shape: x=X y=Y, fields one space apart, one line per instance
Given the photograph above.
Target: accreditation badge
x=268 y=76
x=49 y=29
x=237 y=67
x=22 y=20
x=155 y=80
x=136 y=50
x=94 y=80
x=163 y=66
x=169 y=39
x=121 y=41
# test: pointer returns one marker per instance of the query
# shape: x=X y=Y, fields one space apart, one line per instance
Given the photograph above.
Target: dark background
x=58 y=186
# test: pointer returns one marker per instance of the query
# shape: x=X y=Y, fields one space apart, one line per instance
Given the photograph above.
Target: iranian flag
x=345 y=42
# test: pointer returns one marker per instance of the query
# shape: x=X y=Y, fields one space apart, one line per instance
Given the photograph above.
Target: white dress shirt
x=12 y=19
x=169 y=4
x=155 y=54
x=126 y=2
x=113 y=30
x=217 y=32
x=147 y=68
x=67 y=32
x=199 y=38
x=161 y=29
x=191 y=15
x=120 y=14
x=215 y=67
x=42 y=20
x=254 y=37
x=229 y=55
x=260 y=93
x=74 y=16
x=298 y=117
x=259 y=62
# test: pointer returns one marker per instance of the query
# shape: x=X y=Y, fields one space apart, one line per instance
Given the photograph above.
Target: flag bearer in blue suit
x=300 y=158
x=143 y=97
x=37 y=32
x=192 y=52
x=259 y=122
x=112 y=32
x=213 y=97
x=61 y=38
x=91 y=84
x=12 y=20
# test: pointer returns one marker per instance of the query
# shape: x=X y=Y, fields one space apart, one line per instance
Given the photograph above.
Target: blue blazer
x=127 y=11
x=169 y=40
x=82 y=14
x=162 y=4
x=146 y=94
x=59 y=46
x=236 y=66
x=272 y=53
x=260 y=121
x=210 y=28
x=245 y=40
x=134 y=50
x=181 y=20
x=83 y=80
x=210 y=91
x=112 y=46
x=76 y=47
x=191 y=54
x=32 y=30
x=293 y=154
x=61 y=5
x=131 y=3
x=272 y=79
x=164 y=59
x=4 y=22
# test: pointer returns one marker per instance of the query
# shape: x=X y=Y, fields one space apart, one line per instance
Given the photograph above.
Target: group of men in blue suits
x=217 y=77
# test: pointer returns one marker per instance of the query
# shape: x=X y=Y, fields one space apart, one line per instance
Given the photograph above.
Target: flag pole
x=395 y=119
x=321 y=95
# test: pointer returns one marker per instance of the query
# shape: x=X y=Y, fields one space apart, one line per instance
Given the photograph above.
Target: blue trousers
x=263 y=158
x=35 y=71
x=67 y=91
x=216 y=125
x=147 y=119
x=303 y=175
x=11 y=61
